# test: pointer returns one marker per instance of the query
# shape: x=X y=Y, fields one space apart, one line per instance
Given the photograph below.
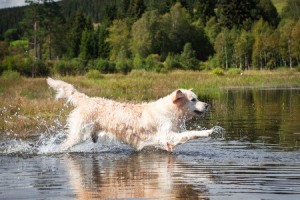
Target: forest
x=73 y=37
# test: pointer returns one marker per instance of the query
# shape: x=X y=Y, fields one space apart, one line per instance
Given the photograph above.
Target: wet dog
x=159 y=124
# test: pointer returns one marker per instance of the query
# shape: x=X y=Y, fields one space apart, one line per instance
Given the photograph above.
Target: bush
x=123 y=66
x=60 y=67
x=298 y=68
x=152 y=63
x=93 y=74
x=218 y=71
x=138 y=62
x=172 y=62
x=234 y=71
x=10 y=75
x=102 y=65
x=77 y=66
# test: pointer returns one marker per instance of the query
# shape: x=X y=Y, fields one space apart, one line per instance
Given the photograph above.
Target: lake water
x=258 y=157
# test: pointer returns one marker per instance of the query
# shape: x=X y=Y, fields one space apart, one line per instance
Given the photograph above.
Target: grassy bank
x=28 y=106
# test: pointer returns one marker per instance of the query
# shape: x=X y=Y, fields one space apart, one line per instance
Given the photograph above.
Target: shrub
x=138 y=62
x=93 y=74
x=172 y=62
x=152 y=63
x=218 y=71
x=123 y=66
x=298 y=68
x=234 y=71
x=102 y=65
x=60 y=67
x=10 y=75
x=77 y=65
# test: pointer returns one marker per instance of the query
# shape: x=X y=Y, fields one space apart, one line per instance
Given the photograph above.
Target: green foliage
x=218 y=71
x=10 y=75
x=138 y=62
x=123 y=66
x=242 y=14
x=102 y=65
x=118 y=39
x=234 y=71
x=79 y=24
x=152 y=63
x=69 y=67
x=172 y=62
x=188 y=57
x=93 y=74
x=89 y=45
x=291 y=10
x=204 y=10
x=117 y=36
x=298 y=68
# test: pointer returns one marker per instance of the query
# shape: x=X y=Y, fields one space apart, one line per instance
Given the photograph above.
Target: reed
x=28 y=106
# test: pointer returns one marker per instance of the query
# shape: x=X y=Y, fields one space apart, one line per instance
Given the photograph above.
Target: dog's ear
x=178 y=95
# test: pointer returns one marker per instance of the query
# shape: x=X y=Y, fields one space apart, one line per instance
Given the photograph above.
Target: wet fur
x=159 y=124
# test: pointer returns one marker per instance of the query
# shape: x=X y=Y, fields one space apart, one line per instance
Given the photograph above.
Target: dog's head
x=187 y=101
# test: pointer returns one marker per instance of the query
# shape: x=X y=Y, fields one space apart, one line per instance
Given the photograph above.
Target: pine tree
x=78 y=24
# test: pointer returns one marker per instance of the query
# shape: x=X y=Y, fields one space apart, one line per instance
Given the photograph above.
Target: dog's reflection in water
x=138 y=175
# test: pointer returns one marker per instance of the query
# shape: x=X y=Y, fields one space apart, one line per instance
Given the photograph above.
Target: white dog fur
x=159 y=124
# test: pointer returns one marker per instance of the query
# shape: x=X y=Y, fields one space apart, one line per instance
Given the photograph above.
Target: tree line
x=73 y=36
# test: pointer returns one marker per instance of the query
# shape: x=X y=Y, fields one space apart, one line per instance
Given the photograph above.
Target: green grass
x=28 y=105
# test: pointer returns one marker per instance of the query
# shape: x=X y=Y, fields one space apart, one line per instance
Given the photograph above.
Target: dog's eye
x=193 y=99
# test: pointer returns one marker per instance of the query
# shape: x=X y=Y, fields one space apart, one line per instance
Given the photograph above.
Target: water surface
x=257 y=158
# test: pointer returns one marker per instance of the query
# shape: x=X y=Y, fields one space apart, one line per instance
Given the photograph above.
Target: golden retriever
x=159 y=124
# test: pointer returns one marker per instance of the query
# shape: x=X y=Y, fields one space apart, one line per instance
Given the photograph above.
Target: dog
x=159 y=124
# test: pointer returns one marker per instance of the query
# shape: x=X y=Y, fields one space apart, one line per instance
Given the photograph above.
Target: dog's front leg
x=183 y=137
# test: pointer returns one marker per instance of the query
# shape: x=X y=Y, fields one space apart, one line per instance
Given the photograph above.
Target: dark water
x=257 y=158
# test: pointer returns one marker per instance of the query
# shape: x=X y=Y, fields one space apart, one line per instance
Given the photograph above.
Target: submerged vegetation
x=28 y=106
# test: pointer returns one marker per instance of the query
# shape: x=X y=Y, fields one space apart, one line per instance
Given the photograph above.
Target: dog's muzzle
x=198 y=112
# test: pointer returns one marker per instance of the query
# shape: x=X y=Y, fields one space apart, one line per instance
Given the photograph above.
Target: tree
x=188 y=57
x=204 y=10
x=236 y=13
x=224 y=47
x=43 y=25
x=78 y=24
x=144 y=34
x=286 y=41
x=89 y=45
x=261 y=31
x=291 y=10
x=118 y=39
x=295 y=36
x=33 y=30
x=268 y=12
x=156 y=34
x=136 y=9
x=243 y=49
x=103 y=46
x=242 y=14
x=52 y=22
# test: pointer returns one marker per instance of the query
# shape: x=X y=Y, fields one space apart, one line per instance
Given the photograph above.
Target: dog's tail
x=66 y=91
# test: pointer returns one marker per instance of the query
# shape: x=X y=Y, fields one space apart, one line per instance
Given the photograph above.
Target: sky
x=11 y=3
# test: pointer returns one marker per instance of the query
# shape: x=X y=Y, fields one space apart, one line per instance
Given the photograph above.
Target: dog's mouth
x=198 y=112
